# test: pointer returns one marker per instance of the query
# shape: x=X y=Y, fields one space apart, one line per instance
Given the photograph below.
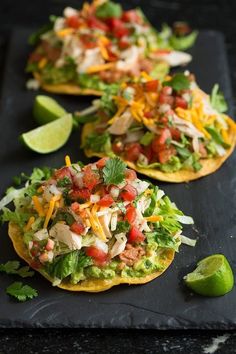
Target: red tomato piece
x=162 y=51
x=50 y=245
x=131 y=16
x=130 y=175
x=128 y=193
x=90 y=178
x=102 y=162
x=75 y=207
x=118 y=27
x=130 y=215
x=93 y=22
x=181 y=102
x=77 y=228
x=88 y=41
x=123 y=43
x=167 y=90
x=73 y=21
x=35 y=264
x=106 y=201
x=35 y=57
x=165 y=134
x=148 y=152
x=83 y=194
x=136 y=236
x=132 y=151
x=148 y=114
x=166 y=99
x=99 y=256
x=63 y=172
x=151 y=86
x=175 y=133
x=165 y=154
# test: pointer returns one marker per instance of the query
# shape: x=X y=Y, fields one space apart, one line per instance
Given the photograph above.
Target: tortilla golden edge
x=95 y=285
x=66 y=89
x=208 y=165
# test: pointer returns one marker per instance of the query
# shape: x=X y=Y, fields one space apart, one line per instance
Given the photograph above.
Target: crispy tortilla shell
x=208 y=165
x=94 y=285
x=66 y=89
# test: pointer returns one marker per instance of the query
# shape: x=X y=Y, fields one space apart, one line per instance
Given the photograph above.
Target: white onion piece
x=220 y=150
x=195 y=144
x=69 y=11
x=188 y=241
x=94 y=198
x=114 y=221
x=101 y=245
x=114 y=192
x=188 y=220
x=41 y=235
x=119 y=245
x=133 y=136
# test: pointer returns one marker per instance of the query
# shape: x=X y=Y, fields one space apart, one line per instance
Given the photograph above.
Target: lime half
x=49 y=137
x=46 y=109
x=212 y=277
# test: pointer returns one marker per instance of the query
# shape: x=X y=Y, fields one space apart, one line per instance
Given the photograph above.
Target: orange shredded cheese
x=50 y=210
x=97 y=68
x=42 y=63
x=67 y=161
x=37 y=205
x=65 y=32
x=29 y=223
x=154 y=218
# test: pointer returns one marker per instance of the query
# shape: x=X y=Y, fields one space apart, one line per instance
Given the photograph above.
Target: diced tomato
x=130 y=175
x=130 y=215
x=117 y=147
x=131 y=16
x=165 y=134
x=102 y=162
x=181 y=102
x=62 y=173
x=82 y=194
x=118 y=27
x=75 y=207
x=132 y=151
x=123 y=43
x=167 y=90
x=88 y=41
x=78 y=228
x=151 y=86
x=73 y=21
x=135 y=235
x=148 y=152
x=90 y=178
x=93 y=22
x=175 y=133
x=148 y=114
x=164 y=120
x=165 y=99
x=106 y=201
x=50 y=245
x=128 y=193
x=165 y=154
x=99 y=256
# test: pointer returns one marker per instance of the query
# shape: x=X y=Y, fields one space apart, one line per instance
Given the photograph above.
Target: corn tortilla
x=95 y=285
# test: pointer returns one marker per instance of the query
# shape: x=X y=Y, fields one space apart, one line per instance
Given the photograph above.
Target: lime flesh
x=49 y=137
x=212 y=277
x=46 y=109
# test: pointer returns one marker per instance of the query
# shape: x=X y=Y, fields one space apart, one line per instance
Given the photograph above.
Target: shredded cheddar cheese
x=37 y=205
x=42 y=63
x=97 y=68
x=67 y=161
x=154 y=218
x=65 y=32
x=29 y=223
x=50 y=210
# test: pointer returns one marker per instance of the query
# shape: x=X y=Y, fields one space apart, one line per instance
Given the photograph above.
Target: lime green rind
x=46 y=109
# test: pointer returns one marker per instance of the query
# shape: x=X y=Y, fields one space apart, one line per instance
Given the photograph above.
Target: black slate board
x=163 y=303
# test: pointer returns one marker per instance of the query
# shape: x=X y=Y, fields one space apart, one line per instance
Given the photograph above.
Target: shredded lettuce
x=217 y=100
x=183 y=42
x=109 y=9
x=99 y=143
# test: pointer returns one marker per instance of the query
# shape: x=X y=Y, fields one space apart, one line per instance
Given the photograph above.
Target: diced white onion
x=188 y=241
x=94 y=198
x=119 y=245
x=114 y=192
x=32 y=84
x=101 y=245
x=160 y=194
x=69 y=11
x=50 y=256
x=188 y=220
x=195 y=144
x=139 y=185
x=41 y=235
x=113 y=222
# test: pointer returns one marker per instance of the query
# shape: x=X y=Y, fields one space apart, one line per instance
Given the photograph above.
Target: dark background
x=202 y=14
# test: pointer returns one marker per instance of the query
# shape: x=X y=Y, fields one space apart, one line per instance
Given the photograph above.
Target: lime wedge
x=49 y=137
x=46 y=109
x=212 y=277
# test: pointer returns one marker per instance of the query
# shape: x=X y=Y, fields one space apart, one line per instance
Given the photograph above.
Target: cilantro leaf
x=178 y=82
x=109 y=9
x=21 y=292
x=114 y=171
x=122 y=226
x=13 y=267
x=98 y=143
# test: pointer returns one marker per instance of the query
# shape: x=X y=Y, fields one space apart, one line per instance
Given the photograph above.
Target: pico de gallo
x=97 y=221
x=102 y=44
x=168 y=126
